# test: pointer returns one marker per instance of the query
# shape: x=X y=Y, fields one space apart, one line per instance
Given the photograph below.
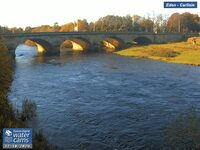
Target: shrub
x=28 y=110
x=132 y=43
x=190 y=40
x=5 y=68
x=163 y=53
x=40 y=142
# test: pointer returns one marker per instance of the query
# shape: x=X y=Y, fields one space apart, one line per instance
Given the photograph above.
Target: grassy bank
x=182 y=52
x=8 y=116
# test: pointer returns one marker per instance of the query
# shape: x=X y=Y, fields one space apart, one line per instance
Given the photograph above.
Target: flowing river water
x=104 y=101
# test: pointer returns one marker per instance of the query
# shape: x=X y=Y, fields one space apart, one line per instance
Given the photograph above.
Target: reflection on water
x=105 y=101
x=25 y=51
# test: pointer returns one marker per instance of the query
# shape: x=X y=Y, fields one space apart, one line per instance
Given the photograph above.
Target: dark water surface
x=105 y=101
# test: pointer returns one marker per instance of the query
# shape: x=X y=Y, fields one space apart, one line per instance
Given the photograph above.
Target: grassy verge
x=8 y=117
x=182 y=52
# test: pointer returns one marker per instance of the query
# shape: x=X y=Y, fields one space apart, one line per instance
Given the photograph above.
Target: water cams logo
x=184 y=4
x=15 y=138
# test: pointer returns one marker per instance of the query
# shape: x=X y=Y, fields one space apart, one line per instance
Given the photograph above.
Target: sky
x=22 y=13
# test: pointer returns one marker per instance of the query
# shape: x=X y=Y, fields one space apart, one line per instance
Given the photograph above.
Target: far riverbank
x=182 y=52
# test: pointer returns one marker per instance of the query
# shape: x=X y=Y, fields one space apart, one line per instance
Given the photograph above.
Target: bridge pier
x=54 y=50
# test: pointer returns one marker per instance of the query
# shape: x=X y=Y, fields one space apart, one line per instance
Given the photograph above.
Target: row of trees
x=185 y=22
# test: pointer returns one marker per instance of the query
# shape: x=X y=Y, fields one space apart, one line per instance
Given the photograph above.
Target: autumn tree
x=4 y=29
x=174 y=21
x=28 y=29
x=159 y=23
x=114 y=23
x=16 y=30
x=91 y=26
x=146 y=25
x=69 y=27
x=136 y=19
x=185 y=22
x=56 y=27
x=43 y=28
x=190 y=22
x=82 y=25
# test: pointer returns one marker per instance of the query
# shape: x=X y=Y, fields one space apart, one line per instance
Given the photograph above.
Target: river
x=104 y=101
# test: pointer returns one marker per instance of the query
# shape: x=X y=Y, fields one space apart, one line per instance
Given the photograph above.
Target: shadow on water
x=25 y=51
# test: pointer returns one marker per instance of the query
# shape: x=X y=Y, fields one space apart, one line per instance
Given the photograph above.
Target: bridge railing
x=92 y=33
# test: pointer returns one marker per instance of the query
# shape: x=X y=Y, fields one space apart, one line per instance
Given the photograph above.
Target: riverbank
x=9 y=116
x=181 y=53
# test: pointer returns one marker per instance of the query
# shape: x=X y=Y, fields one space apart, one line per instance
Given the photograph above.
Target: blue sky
x=37 y=12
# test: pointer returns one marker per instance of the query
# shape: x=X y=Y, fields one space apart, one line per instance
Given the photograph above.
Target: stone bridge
x=50 y=43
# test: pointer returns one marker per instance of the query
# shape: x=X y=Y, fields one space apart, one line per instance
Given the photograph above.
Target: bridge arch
x=75 y=44
x=142 y=40
x=43 y=47
x=112 y=43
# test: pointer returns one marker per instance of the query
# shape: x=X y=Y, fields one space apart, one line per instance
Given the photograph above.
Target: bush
x=190 y=40
x=5 y=68
x=163 y=53
x=132 y=43
x=7 y=116
x=40 y=142
x=28 y=110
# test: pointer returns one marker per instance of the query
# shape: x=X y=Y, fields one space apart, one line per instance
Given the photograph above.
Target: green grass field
x=182 y=52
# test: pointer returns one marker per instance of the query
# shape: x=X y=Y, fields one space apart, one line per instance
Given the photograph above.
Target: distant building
x=76 y=28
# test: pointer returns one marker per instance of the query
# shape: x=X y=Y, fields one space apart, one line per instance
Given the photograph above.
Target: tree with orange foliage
x=69 y=27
